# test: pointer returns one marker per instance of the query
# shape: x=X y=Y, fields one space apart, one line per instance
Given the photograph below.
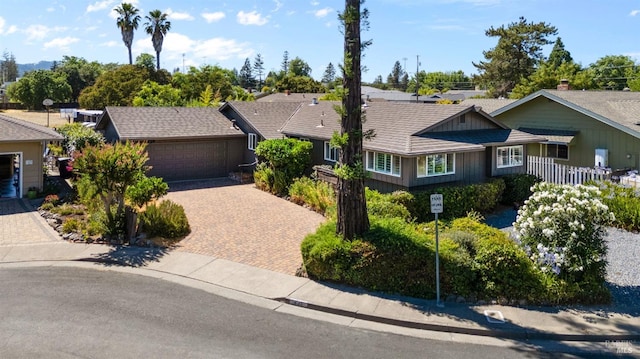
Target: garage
x=184 y=143
x=180 y=160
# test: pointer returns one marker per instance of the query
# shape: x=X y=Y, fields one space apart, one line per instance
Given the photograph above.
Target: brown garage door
x=176 y=161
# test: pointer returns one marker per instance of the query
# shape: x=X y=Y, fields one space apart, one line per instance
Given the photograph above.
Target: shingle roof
x=619 y=109
x=265 y=117
x=144 y=123
x=488 y=105
x=292 y=97
x=402 y=128
x=15 y=130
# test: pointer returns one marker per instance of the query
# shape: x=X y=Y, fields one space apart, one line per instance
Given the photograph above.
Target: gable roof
x=265 y=118
x=15 y=130
x=147 y=123
x=404 y=128
x=618 y=109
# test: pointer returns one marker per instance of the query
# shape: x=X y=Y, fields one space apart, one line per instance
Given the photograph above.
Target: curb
x=525 y=335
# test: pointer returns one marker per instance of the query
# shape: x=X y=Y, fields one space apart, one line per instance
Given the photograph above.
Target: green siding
x=544 y=113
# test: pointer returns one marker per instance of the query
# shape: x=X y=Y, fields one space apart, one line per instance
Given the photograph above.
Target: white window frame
x=331 y=153
x=546 y=150
x=392 y=163
x=448 y=170
x=513 y=159
x=252 y=141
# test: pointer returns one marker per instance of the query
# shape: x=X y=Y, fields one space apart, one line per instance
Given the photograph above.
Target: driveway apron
x=21 y=224
x=241 y=223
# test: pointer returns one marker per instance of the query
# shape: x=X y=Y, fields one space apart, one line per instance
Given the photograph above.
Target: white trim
x=252 y=141
x=20 y=174
x=510 y=156
x=426 y=165
x=330 y=152
x=396 y=161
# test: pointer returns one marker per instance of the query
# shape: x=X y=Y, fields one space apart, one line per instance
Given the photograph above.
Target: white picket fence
x=552 y=172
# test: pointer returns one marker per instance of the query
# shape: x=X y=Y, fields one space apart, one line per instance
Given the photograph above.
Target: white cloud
x=251 y=18
x=36 y=32
x=112 y=43
x=10 y=30
x=213 y=16
x=221 y=49
x=50 y=9
x=99 y=5
x=61 y=43
x=173 y=15
x=315 y=3
x=320 y=13
x=278 y=5
x=634 y=12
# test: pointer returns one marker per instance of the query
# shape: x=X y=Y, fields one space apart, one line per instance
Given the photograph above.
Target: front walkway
x=243 y=224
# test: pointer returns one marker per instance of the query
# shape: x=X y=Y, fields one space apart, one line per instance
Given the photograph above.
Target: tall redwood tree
x=352 y=206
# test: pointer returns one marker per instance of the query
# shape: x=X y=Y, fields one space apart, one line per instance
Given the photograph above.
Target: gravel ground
x=623 y=257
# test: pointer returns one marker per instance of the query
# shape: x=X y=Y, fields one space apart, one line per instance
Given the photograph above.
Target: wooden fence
x=552 y=172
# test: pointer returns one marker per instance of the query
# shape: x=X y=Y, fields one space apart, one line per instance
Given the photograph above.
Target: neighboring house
x=183 y=142
x=582 y=128
x=397 y=96
x=289 y=97
x=418 y=145
x=22 y=148
x=259 y=120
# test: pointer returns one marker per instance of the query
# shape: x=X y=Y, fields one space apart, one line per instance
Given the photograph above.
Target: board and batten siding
x=472 y=121
x=592 y=134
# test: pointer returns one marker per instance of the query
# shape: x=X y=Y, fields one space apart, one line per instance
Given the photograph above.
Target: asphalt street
x=67 y=312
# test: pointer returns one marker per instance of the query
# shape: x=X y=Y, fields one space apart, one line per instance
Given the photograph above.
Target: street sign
x=436 y=203
x=47 y=102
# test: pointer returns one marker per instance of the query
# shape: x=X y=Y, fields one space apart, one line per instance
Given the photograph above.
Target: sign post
x=46 y=103
x=436 y=207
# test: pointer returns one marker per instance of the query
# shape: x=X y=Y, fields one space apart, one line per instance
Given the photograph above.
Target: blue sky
x=447 y=35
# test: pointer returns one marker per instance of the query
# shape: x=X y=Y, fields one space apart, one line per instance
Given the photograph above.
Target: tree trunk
x=352 y=207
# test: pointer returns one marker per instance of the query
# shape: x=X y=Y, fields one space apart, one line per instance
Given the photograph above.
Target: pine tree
x=258 y=67
x=245 y=77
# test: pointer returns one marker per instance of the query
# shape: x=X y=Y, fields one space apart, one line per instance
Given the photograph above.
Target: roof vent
x=321 y=124
x=233 y=125
x=255 y=112
x=314 y=101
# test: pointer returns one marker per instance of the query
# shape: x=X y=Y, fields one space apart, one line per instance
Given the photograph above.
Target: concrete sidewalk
x=602 y=329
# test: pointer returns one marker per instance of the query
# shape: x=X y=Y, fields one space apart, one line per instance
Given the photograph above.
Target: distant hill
x=42 y=65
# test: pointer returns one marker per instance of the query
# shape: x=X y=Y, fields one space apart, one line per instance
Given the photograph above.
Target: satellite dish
x=47 y=102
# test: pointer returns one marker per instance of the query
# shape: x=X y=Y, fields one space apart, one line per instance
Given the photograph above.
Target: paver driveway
x=20 y=224
x=243 y=224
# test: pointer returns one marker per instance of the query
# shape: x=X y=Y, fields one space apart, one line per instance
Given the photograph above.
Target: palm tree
x=127 y=22
x=157 y=26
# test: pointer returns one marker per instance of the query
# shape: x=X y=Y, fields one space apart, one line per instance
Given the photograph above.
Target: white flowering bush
x=562 y=227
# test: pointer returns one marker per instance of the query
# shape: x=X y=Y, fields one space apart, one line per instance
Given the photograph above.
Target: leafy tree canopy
x=115 y=88
x=35 y=86
x=518 y=52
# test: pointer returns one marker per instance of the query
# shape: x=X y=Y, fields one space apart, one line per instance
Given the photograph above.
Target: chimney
x=287 y=92
x=564 y=85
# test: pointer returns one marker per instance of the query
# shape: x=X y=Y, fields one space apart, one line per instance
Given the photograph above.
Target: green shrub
x=459 y=200
x=317 y=195
x=288 y=158
x=562 y=228
x=624 y=203
x=71 y=225
x=68 y=209
x=47 y=206
x=263 y=177
x=146 y=189
x=166 y=220
x=518 y=187
x=389 y=205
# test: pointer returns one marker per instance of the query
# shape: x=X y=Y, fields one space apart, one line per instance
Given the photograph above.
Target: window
x=253 y=141
x=331 y=153
x=436 y=165
x=510 y=156
x=560 y=151
x=383 y=163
